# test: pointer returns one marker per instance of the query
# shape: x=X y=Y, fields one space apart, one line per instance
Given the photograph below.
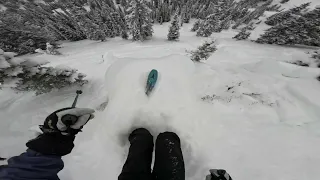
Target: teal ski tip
x=151 y=82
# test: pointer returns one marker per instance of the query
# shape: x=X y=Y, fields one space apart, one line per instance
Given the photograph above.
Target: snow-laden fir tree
x=204 y=51
x=259 y=11
x=296 y=30
x=174 y=33
x=244 y=34
x=139 y=20
x=210 y=25
x=28 y=75
x=282 y=16
x=196 y=25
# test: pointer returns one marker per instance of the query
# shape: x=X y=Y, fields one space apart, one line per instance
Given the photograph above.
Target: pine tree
x=204 y=51
x=124 y=35
x=26 y=75
x=226 y=23
x=139 y=20
x=174 y=33
x=282 y=16
x=196 y=25
x=296 y=30
x=210 y=25
x=244 y=34
x=253 y=15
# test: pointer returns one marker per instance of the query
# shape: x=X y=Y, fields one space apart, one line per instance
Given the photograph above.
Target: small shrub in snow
x=51 y=49
x=210 y=25
x=316 y=55
x=284 y=1
x=318 y=78
x=45 y=79
x=204 y=51
x=124 y=35
x=174 y=33
x=274 y=8
x=300 y=63
x=244 y=34
x=27 y=75
x=196 y=25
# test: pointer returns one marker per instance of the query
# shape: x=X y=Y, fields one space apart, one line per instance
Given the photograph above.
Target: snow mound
x=270 y=67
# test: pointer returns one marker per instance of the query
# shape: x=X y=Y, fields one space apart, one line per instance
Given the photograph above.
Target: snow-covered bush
x=51 y=49
x=284 y=1
x=210 y=25
x=244 y=33
x=124 y=35
x=318 y=78
x=174 y=33
x=274 y=8
x=204 y=51
x=196 y=25
x=300 y=63
x=28 y=75
x=316 y=55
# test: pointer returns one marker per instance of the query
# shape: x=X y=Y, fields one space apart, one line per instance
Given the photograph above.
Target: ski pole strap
x=218 y=174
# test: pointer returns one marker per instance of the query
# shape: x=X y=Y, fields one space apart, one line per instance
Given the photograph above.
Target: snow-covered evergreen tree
x=244 y=34
x=253 y=15
x=174 y=33
x=226 y=23
x=19 y=37
x=139 y=20
x=204 y=51
x=28 y=75
x=210 y=25
x=282 y=16
x=296 y=30
x=196 y=25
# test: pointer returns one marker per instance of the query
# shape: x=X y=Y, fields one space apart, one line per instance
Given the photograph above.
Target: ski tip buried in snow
x=151 y=82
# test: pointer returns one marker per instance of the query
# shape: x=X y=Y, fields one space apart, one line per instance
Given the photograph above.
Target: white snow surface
x=259 y=117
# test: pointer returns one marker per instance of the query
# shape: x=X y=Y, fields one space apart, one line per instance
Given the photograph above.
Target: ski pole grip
x=69 y=119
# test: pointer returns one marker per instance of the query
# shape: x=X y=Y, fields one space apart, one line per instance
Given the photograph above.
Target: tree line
x=29 y=25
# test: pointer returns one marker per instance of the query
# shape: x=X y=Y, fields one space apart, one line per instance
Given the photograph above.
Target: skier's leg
x=169 y=164
x=138 y=163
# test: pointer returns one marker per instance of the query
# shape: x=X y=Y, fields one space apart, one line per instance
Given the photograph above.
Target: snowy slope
x=243 y=110
x=293 y=3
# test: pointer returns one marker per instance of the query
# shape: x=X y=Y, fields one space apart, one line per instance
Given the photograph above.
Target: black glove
x=58 y=137
x=218 y=174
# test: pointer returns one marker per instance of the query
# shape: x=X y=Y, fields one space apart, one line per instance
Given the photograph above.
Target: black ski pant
x=169 y=164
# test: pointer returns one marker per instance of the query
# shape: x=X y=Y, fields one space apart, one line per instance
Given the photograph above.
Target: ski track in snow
x=255 y=122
